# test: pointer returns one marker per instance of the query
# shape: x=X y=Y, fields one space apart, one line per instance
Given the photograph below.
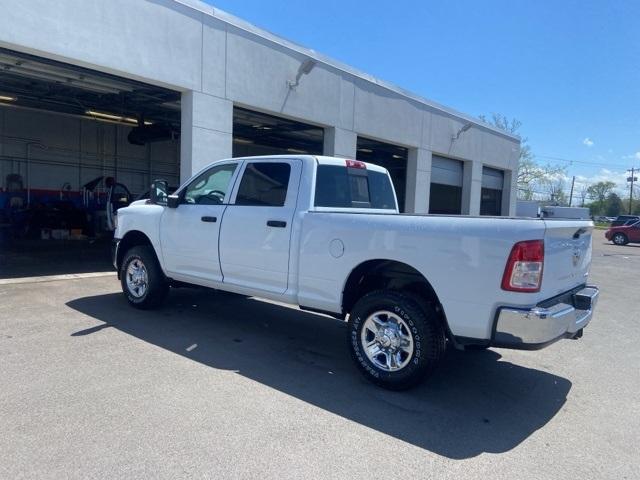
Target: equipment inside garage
x=391 y=157
x=256 y=133
x=67 y=134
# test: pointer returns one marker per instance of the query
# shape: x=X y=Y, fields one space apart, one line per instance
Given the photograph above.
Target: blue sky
x=568 y=70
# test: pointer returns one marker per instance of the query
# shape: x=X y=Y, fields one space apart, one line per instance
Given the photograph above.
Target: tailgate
x=567 y=255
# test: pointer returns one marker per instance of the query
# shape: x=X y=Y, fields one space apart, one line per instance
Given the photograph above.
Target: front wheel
x=620 y=239
x=143 y=282
x=395 y=341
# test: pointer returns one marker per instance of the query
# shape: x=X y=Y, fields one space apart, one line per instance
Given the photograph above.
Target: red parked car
x=623 y=234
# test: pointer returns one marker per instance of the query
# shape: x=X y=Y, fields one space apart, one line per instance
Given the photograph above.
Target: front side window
x=264 y=185
x=210 y=188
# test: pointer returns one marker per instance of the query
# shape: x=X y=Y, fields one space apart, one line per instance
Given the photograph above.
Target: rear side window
x=342 y=187
x=264 y=185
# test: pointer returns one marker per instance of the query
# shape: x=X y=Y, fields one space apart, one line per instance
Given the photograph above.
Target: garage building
x=94 y=93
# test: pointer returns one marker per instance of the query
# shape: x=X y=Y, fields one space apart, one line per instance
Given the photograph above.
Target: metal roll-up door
x=446 y=171
x=491 y=195
x=445 y=196
x=492 y=178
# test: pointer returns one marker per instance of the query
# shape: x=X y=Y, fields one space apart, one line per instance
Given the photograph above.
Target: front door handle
x=276 y=223
x=209 y=219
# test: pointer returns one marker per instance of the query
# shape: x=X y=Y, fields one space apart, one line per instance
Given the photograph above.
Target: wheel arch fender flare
x=392 y=274
x=133 y=238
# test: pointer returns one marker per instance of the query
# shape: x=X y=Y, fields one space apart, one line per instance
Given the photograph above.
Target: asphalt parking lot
x=218 y=386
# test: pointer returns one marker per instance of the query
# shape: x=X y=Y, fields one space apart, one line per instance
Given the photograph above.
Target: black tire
x=427 y=333
x=476 y=348
x=619 y=239
x=157 y=286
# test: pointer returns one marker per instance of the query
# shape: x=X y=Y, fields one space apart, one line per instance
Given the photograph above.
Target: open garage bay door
x=392 y=157
x=66 y=135
x=492 y=186
x=445 y=196
x=256 y=133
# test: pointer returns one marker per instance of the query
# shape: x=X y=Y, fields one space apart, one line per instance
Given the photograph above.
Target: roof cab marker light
x=523 y=272
x=356 y=164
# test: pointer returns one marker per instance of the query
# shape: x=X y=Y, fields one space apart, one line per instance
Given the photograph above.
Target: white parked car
x=325 y=234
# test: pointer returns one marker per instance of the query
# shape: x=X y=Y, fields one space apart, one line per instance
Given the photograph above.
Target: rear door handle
x=209 y=219
x=276 y=223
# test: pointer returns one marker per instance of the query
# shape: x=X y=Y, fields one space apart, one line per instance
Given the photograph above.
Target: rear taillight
x=523 y=272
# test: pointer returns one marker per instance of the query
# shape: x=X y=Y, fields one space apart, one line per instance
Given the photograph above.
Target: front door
x=256 y=229
x=118 y=197
x=189 y=233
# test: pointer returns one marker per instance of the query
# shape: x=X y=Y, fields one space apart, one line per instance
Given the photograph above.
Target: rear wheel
x=395 y=341
x=143 y=282
x=620 y=239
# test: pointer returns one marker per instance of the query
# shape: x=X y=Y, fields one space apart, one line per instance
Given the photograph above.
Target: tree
x=531 y=176
x=613 y=205
x=583 y=191
x=599 y=191
x=556 y=189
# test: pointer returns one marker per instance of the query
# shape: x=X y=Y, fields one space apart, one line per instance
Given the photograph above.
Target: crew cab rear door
x=255 y=236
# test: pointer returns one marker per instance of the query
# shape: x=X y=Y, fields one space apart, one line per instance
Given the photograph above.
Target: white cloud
x=633 y=156
x=588 y=142
x=604 y=175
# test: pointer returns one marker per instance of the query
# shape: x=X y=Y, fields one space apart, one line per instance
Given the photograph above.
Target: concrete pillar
x=206 y=131
x=418 y=181
x=509 y=193
x=471 y=188
x=339 y=142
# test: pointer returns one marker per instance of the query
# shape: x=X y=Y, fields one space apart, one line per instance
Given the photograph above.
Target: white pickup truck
x=325 y=234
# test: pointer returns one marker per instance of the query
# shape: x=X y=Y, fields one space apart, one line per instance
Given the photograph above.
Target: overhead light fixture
x=304 y=69
x=242 y=140
x=7 y=98
x=259 y=126
x=365 y=150
x=173 y=105
x=296 y=150
x=398 y=156
x=115 y=118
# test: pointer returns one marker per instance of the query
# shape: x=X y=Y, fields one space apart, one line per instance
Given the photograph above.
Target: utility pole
x=573 y=181
x=631 y=179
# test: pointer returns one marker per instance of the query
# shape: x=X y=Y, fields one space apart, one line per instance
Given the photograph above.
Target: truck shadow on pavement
x=475 y=403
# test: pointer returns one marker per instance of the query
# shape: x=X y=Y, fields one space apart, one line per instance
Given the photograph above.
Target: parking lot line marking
x=54 y=278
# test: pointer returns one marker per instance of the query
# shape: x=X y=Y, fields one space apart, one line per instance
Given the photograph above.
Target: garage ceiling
x=33 y=82
x=251 y=127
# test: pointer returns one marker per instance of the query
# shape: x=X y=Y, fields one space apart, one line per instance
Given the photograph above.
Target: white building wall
x=217 y=61
x=49 y=150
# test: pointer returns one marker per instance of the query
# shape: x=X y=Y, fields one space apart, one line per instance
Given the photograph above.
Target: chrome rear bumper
x=539 y=326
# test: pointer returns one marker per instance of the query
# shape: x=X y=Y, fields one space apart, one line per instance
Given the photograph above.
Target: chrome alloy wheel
x=137 y=279
x=619 y=239
x=387 y=341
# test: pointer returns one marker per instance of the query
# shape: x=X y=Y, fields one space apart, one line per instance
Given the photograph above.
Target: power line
x=581 y=162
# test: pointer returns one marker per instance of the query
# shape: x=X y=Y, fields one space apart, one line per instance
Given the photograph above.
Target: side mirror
x=173 y=201
x=159 y=192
